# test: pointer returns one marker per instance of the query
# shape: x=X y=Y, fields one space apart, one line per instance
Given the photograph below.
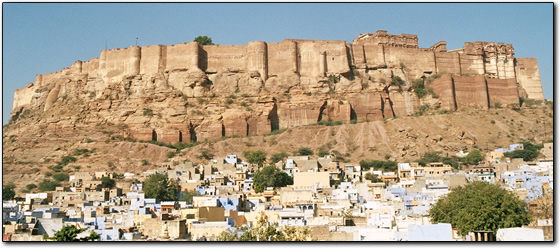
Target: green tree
x=188 y=196
x=70 y=232
x=373 y=178
x=480 y=206
x=529 y=152
x=8 y=192
x=255 y=157
x=278 y=157
x=265 y=231
x=160 y=187
x=270 y=176
x=204 y=40
x=107 y=182
x=304 y=151
x=474 y=157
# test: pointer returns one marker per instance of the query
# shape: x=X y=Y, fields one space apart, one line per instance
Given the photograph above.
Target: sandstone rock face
x=367 y=106
x=187 y=92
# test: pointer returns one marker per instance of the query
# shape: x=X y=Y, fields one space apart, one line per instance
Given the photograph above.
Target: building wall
x=308 y=179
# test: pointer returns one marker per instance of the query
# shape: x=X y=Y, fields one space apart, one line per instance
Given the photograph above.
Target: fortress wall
x=23 y=96
x=448 y=62
x=367 y=106
x=510 y=69
x=221 y=58
x=257 y=58
x=375 y=56
x=471 y=91
x=117 y=63
x=292 y=114
x=503 y=91
x=91 y=67
x=318 y=57
x=182 y=56
x=309 y=60
x=443 y=87
x=76 y=67
x=358 y=56
x=151 y=59
x=472 y=64
x=337 y=58
x=50 y=78
x=528 y=76
x=415 y=61
x=282 y=57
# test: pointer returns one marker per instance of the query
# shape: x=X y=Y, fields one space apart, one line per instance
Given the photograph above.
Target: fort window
x=180 y=136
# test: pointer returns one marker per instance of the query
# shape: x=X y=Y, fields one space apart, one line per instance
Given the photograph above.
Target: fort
x=277 y=85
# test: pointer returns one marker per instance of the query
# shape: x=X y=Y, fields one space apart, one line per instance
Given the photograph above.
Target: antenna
x=136 y=40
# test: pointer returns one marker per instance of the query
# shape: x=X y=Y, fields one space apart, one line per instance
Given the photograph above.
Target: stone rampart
x=329 y=78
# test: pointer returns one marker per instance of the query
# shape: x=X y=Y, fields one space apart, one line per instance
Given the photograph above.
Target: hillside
x=29 y=151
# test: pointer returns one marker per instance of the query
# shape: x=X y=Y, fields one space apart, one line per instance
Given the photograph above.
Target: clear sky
x=45 y=37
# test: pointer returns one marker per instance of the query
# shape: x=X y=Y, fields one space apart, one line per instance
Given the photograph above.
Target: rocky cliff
x=188 y=92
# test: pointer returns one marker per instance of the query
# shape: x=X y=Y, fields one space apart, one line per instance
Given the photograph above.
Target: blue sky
x=44 y=37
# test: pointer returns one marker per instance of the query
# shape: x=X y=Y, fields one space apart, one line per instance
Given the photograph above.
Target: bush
x=47 y=185
x=145 y=162
x=278 y=131
x=171 y=154
x=278 y=157
x=373 y=178
x=8 y=192
x=304 y=151
x=205 y=154
x=229 y=101
x=378 y=165
x=30 y=186
x=329 y=123
x=66 y=160
x=79 y=152
x=148 y=112
x=61 y=177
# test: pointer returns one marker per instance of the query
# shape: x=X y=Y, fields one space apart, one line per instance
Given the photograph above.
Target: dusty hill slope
x=30 y=149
